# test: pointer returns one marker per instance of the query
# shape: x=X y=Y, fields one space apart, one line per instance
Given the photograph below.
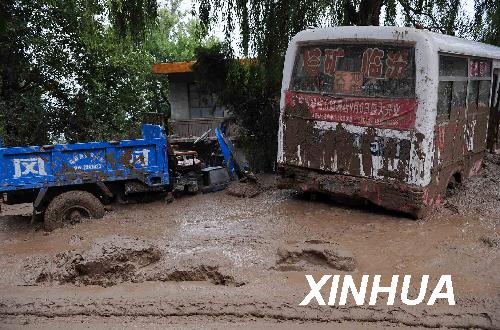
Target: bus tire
x=71 y=207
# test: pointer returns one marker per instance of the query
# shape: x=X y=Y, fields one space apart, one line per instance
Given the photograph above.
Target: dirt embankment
x=251 y=187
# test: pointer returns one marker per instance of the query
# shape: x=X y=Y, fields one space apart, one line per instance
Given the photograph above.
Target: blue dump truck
x=67 y=182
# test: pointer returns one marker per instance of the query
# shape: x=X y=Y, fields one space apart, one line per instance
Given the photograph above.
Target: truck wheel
x=71 y=207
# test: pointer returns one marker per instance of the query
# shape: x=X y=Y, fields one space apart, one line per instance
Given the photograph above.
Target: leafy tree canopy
x=80 y=70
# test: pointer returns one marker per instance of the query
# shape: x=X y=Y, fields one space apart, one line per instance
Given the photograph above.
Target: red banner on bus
x=373 y=112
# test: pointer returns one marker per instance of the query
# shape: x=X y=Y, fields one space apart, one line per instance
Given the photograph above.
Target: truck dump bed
x=69 y=164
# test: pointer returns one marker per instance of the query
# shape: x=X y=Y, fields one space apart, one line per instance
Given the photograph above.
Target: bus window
x=452 y=66
x=473 y=94
x=444 y=99
x=480 y=84
x=452 y=89
x=355 y=70
x=479 y=94
x=483 y=98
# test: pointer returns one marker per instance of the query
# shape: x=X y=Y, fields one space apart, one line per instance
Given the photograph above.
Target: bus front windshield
x=353 y=70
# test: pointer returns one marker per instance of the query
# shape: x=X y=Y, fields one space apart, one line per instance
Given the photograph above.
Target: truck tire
x=71 y=207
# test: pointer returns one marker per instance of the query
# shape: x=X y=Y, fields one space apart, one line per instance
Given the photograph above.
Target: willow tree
x=269 y=24
x=266 y=27
x=132 y=18
x=487 y=21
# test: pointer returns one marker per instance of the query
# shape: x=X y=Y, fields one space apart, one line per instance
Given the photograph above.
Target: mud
x=318 y=256
x=116 y=260
x=244 y=189
x=252 y=187
x=198 y=274
x=215 y=260
x=107 y=262
x=479 y=194
x=493 y=242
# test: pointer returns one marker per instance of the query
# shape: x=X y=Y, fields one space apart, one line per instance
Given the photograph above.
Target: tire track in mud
x=430 y=317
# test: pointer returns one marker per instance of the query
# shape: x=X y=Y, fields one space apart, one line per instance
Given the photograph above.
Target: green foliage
x=175 y=37
x=67 y=75
x=256 y=110
x=132 y=18
x=80 y=70
x=487 y=21
x=241 y=87
x=212 y=67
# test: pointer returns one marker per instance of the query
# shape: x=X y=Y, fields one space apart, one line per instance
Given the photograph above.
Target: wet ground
x=215 y=260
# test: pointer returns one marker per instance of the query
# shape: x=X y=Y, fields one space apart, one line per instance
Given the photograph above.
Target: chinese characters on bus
x=331 y=56
x=312 y=61
x=397 y=62
x=355 y=70
x=374 y=112
x=371 y=66
x=479 y=69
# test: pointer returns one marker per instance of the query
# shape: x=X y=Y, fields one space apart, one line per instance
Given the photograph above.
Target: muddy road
x=215 y=260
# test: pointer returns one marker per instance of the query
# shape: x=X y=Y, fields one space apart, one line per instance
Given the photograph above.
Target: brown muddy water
x=219 y=261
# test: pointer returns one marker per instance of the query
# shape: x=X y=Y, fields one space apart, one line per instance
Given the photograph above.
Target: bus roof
x=443 y=43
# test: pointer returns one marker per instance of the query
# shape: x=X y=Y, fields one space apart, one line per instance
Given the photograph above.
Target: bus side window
x=484 y=94
x=444 y=99
x=473 y=95
x=452 y=89
x=479 y=85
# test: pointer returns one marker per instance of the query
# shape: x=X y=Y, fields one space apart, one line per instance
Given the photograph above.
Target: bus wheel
x=70 y=208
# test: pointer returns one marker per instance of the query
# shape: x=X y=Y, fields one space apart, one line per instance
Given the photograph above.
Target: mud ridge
x=306 y=256
x=199 y=273
x=371 y=314
x=118 y=260
x=108 y=262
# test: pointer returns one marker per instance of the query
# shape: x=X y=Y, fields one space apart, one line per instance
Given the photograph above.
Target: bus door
x=493 y=127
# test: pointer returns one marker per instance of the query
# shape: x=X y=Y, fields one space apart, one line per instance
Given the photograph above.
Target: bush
x=242 y=87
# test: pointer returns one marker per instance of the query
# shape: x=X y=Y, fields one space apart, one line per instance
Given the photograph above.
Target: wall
x=178 y=86
x=179 y=96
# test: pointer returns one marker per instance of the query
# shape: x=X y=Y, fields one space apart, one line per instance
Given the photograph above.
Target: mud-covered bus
x=388 y=115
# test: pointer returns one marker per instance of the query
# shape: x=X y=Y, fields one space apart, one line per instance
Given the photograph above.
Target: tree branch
x=411 y=12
